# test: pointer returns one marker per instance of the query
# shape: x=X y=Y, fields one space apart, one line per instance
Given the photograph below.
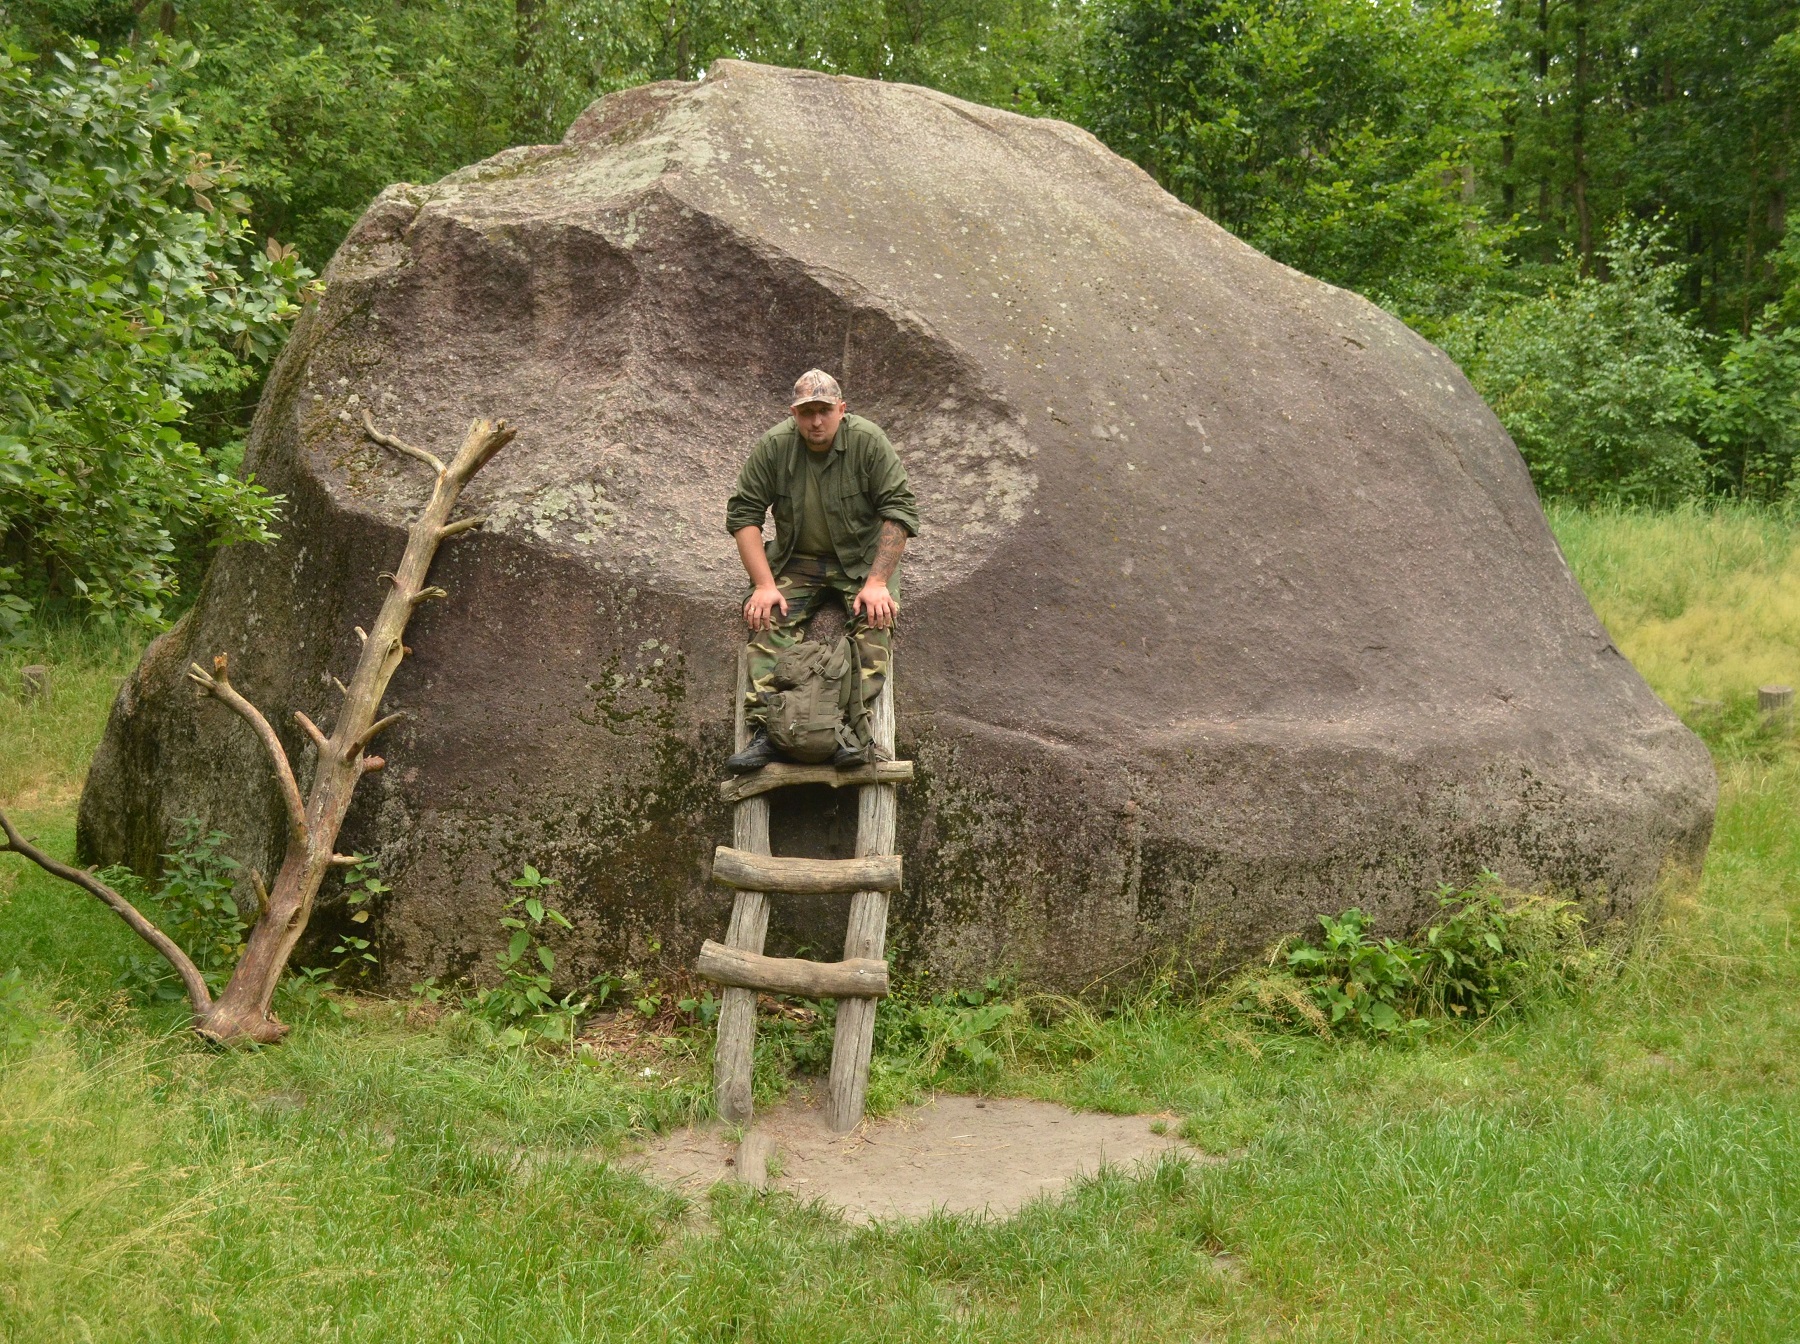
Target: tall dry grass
x=1705 y=601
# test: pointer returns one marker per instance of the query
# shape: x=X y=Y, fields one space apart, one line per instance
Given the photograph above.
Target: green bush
x=192 y=902
x=954 y=1033
x=1354 y=979
x=1490 y=950
x=130 y=283
x=1614 y=396
x=1750 y=416
x=522 y=1008
x=1601 y=383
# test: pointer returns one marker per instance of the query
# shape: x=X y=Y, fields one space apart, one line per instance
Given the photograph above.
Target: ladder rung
x=858 y=978
x=780 y=774
x=805 y=877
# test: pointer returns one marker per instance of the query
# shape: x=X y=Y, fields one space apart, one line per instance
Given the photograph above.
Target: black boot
x=753 y=757
x=849 y=758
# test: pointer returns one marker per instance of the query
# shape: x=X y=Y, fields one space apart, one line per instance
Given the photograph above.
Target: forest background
x=1584 y=201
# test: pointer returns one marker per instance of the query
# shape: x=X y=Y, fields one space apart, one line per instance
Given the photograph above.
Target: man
x=843 y=514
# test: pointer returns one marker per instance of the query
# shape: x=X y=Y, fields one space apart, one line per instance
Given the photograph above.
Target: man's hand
x=875 y=605
x=759 y=611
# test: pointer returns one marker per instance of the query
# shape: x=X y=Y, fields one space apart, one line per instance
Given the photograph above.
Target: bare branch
x=484 y=439
x=389 y=441
x=341 y=688
x=312 y=730
x=345 y=860
x=460 y=526
x=262 y=892
x=427 y=594
x=368 y=734
x=362 y=634
x=218 y=684
x=197 y=993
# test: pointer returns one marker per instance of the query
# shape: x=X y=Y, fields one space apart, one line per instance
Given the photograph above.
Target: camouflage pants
x=805 y=583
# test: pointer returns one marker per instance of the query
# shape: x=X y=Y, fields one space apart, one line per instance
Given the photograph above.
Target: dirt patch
x=43 y=796
x=959 y=1154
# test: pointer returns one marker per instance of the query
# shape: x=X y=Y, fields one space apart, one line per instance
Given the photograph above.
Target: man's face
x=818 y=421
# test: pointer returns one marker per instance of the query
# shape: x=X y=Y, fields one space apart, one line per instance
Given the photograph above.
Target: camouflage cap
x=816 y=385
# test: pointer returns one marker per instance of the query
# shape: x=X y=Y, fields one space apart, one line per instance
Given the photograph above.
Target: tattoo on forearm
x=889 y=547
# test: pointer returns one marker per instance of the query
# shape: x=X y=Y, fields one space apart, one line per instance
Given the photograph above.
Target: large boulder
x=1233 y=602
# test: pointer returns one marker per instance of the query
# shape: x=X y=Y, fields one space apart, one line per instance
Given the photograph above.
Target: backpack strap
x=850 y=700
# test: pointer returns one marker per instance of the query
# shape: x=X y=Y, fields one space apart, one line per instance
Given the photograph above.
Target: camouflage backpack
x=805 y=715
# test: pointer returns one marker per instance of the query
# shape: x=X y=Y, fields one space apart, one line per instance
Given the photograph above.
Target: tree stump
x=1776 y=704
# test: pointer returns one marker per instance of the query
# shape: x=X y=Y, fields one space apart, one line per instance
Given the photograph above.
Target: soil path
x=959 y=1154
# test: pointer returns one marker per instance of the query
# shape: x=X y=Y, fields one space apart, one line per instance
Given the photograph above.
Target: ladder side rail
x=866 y=938
x=734 y=1051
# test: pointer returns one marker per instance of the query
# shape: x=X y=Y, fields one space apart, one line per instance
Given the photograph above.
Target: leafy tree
x=1337 y=135
x=1752 y=415
x=130 y=281
x=50 y=25
x=1684 y=109
x=323 y=107
x=1600 y=382
x=1003 y=52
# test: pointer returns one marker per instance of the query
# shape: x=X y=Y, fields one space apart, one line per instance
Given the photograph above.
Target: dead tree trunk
x=242 y=1011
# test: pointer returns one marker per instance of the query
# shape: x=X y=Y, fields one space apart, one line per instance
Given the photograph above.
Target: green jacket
x=863 y=484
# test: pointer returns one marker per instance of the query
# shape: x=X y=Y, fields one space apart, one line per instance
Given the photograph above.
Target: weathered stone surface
x=1234 y=603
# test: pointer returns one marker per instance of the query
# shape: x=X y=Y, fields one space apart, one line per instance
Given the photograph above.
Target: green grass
x=1619 y=1165
x=1705 y=602
x=45 y=743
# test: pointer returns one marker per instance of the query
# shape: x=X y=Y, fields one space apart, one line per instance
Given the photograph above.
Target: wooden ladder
x=738 y=963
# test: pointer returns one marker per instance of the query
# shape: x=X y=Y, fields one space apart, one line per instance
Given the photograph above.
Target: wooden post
x=733 y=1053
x=756 y=1150
x=867 y=935
x=1776 y=704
